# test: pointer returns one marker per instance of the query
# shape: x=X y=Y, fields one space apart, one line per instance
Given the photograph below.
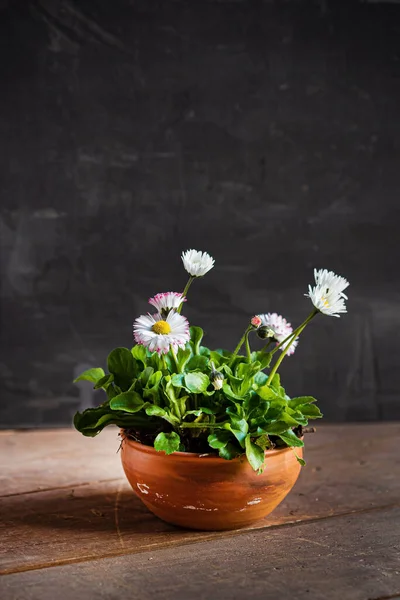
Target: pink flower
x=280 y=329
x=167 y=301
x=256 y=321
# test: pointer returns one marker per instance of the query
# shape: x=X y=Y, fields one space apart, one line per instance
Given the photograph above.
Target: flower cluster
x=182 y=396
x=168 y=330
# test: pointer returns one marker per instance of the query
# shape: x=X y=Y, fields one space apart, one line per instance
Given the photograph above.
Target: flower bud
x=265 y=332
x=216 y=378
x=255 y=322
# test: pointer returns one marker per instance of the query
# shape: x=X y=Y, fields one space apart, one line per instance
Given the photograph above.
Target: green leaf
x=130 y=402
x=199 y=411
x=291 y=439
x=247 y=370
x=260 y=378
x=91 y=421
x=153 y=386
x=294 y=419
x=229 y=451
x=263 y=441
x=255 y=407
x=255 y=455
x=183 y=356
x=197 y=362
x=167 y=442
x=220 y=357
x=229 y=393
x=300 y=460
x=123 y=366
x=157 y=411
x=310 y=411
x=204 y=351
x=104 y=382
x=266 y=393
x=139 y=352
x=196 y=382
x=219 y=438
x=92 y=375
x=264 y=358
x=145 y=376
x=274 y=428
x=295 y=402
x=196 y=335
x=177 y=380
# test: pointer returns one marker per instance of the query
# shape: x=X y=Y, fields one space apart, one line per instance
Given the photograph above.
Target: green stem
x=290 y=339
x=240 y=344
x=164 y=364
x=185 y=291
x=298 y=330
x=175 y=359
x=246 y=342
x=194 y=425
x=266 y=345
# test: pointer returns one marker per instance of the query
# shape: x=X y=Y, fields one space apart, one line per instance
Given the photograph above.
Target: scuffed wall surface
x=265 y=133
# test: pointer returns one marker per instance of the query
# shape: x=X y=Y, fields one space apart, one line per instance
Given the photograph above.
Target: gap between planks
x=204 y=538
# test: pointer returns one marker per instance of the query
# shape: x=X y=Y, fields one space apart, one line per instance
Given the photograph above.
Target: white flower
x=280 y=329
x=159 y=335
x=197 y=263
x=167 y=301
x=327 y=295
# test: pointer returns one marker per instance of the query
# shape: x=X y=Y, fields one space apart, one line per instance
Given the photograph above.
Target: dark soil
x=198 y=444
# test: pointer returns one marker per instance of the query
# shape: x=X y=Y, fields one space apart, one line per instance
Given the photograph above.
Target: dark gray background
x=266 y=133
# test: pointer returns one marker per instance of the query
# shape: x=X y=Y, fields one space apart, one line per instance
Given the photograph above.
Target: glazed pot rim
x=209 y=456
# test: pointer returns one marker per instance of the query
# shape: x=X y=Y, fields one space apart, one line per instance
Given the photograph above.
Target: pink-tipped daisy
x=278 y=329
x=159 y=334
x=167 y=301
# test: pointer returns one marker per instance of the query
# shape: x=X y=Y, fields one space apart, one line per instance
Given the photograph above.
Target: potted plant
x=210 y=438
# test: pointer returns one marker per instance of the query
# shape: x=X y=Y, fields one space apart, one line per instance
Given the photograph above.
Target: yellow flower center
x=325 y=301
x=161 y=327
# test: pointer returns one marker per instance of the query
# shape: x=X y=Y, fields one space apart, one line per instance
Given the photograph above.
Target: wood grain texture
x=38 y=460
x=354 y=557
x=350 y=468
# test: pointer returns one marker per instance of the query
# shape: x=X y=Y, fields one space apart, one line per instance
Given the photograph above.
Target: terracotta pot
x=200 y=491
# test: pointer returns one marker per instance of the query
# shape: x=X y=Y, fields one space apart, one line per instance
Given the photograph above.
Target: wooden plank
x=349 y=468
x=354 y=557
x=38 y=460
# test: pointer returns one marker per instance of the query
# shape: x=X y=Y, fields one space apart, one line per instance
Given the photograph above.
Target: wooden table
x=72 y=528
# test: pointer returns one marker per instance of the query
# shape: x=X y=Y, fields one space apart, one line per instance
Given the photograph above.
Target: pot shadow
x=83 y=510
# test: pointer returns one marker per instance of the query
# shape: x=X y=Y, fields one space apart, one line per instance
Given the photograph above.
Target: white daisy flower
x=167 y=301
x=327 y=295
x=197 y=263
x=278 y=328
x=159 y=335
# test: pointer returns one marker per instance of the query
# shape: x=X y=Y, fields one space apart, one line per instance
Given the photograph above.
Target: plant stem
x=194 y=425
x=175 y=359
x=164 y=364
x=246 y=342
x=297 y=331
x=290 y=339
x=185 y=291
x=240 y=344
x=266 y=345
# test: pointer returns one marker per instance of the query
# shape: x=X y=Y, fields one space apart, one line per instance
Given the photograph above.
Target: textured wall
x=266 y=133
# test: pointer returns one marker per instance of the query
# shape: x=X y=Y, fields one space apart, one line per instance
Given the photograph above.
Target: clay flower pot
x=207 y=492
